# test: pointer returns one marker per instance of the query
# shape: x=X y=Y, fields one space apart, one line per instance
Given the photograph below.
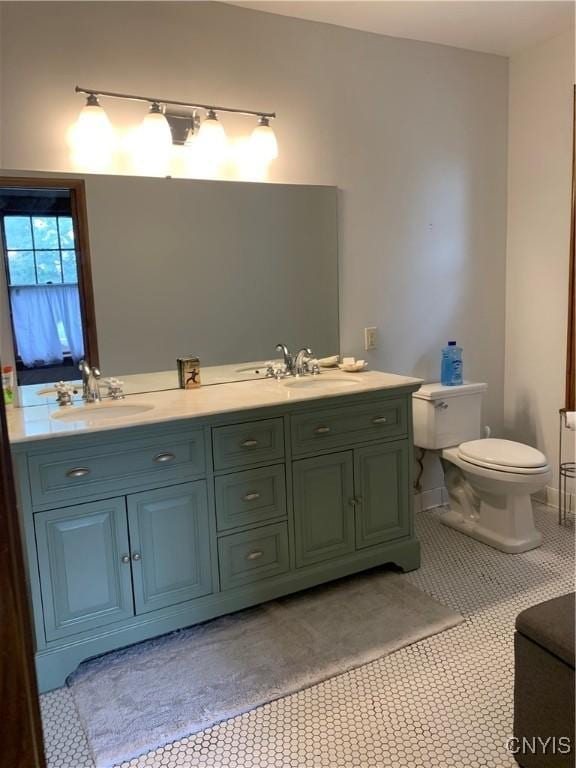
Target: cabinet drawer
x=253 y=555
x=254 y=442
x=252 y=496
x=339 y=427
x=116 y=467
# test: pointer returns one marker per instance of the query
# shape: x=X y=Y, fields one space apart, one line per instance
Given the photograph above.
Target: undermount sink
x=101 y=412
x=316 y=382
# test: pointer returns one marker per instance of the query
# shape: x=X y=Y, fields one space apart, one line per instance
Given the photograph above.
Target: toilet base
x=512 y=530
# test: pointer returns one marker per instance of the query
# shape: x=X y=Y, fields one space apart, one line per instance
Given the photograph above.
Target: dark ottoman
x=544 y=685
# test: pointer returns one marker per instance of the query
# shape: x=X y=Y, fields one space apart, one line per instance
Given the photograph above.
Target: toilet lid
x=502 y=453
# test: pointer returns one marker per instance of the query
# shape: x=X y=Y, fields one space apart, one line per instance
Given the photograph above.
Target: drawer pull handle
x=380 y=420
x=322 y=430
x=78 y=472
x=162 y=458
x=252 y=496
x=254 y=555
x=125 y=559
x=250 y=443
x=136 y=556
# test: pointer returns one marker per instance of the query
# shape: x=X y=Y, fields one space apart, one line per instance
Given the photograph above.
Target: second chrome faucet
x=90 y=382
x=299 y=365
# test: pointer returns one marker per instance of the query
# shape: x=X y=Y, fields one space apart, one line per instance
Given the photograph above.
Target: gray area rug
x=134 y=700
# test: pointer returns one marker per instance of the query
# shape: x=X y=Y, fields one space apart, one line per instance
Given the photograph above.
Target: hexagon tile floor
x=445 y=702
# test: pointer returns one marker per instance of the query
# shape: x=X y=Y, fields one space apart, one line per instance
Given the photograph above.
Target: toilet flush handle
x=442 y=405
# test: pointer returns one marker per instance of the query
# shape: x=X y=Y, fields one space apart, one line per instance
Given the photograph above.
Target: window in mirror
x=39 y=233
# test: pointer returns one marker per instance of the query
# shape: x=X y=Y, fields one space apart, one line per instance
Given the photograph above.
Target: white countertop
x=36 y=422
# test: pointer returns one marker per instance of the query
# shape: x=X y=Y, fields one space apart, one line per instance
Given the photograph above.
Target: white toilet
x=489 y=481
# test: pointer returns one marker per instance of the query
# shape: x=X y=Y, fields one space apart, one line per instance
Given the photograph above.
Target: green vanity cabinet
x=93 y=557
x=135 y=532
x=83 y=554
x=350 y=500
x=169 y=540
x=382 y=508
x=323 y=507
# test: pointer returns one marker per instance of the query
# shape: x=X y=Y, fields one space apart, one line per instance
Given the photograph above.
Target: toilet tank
x=447 y=416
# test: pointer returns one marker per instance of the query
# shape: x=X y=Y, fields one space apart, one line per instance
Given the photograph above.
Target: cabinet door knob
x=125 y=559
x=254 y=555
x=322 y=430
x=250 y=443
x=136 y=556
x=252 y=496
x=78 y=472
x=162 y=458
x=379 y=420
x=352 y=502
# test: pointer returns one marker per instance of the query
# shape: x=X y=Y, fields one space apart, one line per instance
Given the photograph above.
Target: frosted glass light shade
x=264 y=144
x=92 y=140
x=212 y=138
x=153 y=145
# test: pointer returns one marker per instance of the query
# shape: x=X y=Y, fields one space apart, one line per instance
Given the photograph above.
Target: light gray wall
x=539 y=210
x=413 y=134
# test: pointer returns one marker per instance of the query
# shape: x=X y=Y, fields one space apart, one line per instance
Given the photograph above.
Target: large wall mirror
x=135 y=272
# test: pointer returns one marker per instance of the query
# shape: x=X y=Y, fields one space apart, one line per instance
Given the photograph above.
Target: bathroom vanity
x=190 y=505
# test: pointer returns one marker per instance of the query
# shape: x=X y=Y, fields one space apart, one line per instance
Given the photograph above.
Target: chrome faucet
x=300 y=365
x=301 y=362
x=288 y=359
x=90 y=385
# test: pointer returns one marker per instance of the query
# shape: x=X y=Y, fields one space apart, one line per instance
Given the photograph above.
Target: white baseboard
x=438 y=497
x=433 y=497
x=551 y=497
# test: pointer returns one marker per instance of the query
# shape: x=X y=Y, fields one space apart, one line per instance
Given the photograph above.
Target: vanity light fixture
x=263 y=140
x=212 y=136
x=91 y=138
x=162 y=127
x=153 y=143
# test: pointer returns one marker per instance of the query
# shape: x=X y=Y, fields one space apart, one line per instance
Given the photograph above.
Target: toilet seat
x=503 y=456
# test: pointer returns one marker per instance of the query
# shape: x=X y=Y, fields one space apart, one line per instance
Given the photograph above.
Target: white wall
x=539 y=183
x=414 y=134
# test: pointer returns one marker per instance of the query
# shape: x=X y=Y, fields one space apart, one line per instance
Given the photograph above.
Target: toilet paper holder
x=566 y=469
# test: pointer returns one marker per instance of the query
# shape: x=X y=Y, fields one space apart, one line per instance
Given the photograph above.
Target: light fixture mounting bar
x=151 y=100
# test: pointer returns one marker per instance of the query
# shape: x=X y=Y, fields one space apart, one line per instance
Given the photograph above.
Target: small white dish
x=329 y=362
x=356 y=367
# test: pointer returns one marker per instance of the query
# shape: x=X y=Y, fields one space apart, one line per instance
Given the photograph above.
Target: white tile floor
x=445 y=702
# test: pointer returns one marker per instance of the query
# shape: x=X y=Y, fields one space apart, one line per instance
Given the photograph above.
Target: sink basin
x=321 y=382
x=100 y=412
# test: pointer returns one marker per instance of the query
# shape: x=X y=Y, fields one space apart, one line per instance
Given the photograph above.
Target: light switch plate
x=370 y=338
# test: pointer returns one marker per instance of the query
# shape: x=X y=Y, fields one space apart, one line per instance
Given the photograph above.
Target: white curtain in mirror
x=47 y=323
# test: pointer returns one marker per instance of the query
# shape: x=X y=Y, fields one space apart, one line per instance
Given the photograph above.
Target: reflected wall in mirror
x=220 y=270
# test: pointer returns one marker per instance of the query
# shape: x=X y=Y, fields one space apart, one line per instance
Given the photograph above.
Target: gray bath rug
x=137 y=699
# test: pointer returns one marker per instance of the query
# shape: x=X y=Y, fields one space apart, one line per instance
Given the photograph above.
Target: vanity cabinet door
x=83 y=555
x=323 y=507
x=382 y=493
x=170 y=545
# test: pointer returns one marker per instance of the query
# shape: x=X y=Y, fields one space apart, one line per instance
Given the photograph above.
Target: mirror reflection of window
x=40 y=258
